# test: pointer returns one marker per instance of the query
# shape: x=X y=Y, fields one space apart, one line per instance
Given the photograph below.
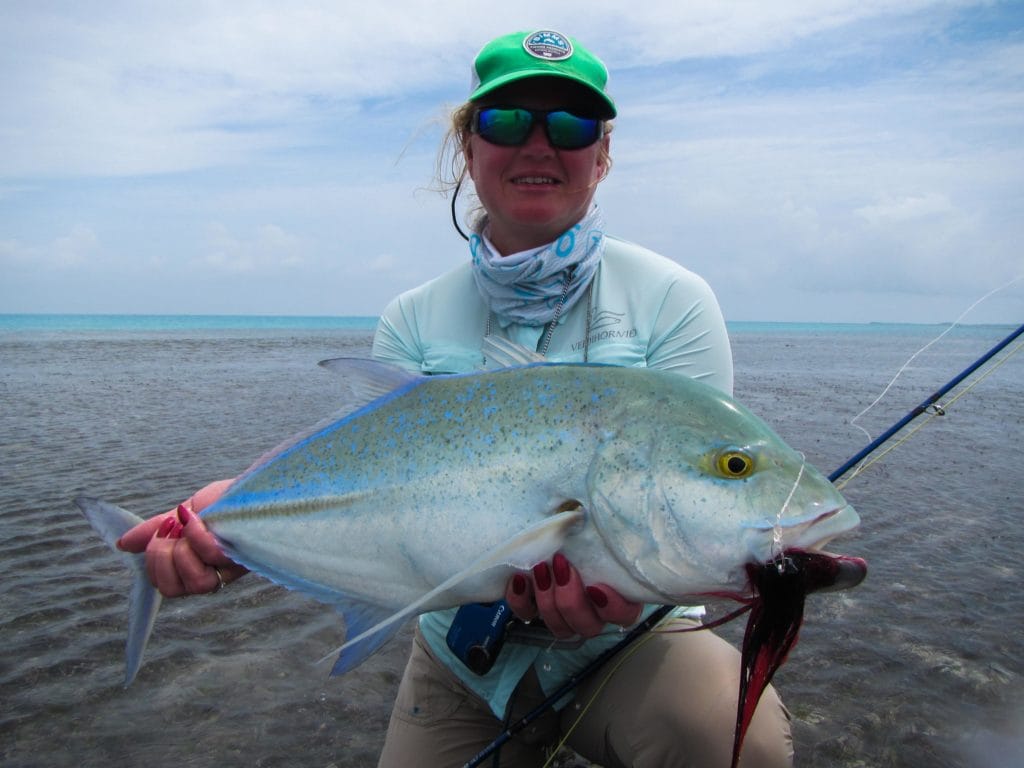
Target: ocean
x=920 y=665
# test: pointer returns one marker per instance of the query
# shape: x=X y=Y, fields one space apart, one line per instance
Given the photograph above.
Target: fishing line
x=572 y=682
x=954 y=324
x=586 y=707
x=930 y=403
x=642 y=633
x=658 y=630
x=777 y=530
x=934 y=411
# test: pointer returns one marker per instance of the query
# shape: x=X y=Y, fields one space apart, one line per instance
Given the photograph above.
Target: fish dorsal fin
x=368 y=380
x=499 y=352
x=365 y=380
x=523 y=551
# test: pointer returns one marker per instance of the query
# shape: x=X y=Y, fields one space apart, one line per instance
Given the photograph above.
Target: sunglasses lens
x=506 y=127
x=567 y=131
x=511 y=127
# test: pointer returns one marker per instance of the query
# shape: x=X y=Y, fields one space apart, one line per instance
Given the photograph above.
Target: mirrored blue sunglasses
x=511 y=126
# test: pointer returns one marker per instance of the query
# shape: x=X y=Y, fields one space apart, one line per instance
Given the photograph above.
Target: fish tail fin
x=111 y=522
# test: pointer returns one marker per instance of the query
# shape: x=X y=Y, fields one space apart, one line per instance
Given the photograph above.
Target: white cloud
x=383 y=263
x=154 y=89
x=269 y=249
x=77 y=248
x=904 y=209
x=823 y=147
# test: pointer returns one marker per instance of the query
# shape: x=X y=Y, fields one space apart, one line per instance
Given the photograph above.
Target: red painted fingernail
x=176 y=530
x=542 y=576
x=562 y=571
x=165 y=527
x=597 y=596
x=183 y=514
x=518 y=584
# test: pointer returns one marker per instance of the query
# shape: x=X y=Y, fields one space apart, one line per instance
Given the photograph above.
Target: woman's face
x=533 y=193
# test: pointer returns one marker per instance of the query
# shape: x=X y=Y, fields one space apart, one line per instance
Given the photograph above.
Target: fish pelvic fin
x=111 y=522
x=368 y=627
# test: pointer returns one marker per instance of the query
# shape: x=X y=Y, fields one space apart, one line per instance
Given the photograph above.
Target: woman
x=534 y=139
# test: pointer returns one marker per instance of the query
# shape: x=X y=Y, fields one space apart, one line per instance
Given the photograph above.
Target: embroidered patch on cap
x=552 y=46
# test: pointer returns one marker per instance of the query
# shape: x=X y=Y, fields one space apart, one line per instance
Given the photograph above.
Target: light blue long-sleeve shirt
x=645 y=311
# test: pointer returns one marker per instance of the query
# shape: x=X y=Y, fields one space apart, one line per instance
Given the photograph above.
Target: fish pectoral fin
x=111 y=522
x=369 y=626
x=538 y=542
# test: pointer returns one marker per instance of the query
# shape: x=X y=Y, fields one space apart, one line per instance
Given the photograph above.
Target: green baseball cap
x=544 y=53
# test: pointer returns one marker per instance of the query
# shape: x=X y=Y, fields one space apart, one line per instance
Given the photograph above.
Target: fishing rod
x=574 y=680
x=924 y=406
x=662 y=611
x=652 y=620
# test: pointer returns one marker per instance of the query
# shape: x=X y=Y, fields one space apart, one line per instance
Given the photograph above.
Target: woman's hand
x=182 y=557
x=558 y=596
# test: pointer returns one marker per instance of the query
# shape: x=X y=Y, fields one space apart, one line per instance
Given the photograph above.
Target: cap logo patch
x=548 y=45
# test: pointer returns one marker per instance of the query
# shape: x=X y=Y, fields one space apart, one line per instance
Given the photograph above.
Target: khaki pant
x=672 y=702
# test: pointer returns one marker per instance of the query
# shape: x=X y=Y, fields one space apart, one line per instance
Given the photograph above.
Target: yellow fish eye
x=735 y=464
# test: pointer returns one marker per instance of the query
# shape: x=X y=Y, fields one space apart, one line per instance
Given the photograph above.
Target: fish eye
x=735 y=464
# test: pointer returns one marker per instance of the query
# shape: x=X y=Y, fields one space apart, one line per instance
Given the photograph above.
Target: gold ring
x=220 y=580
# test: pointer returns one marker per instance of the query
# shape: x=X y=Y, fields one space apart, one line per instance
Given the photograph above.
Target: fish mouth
x=807 y=537
x=821 y=571
x=810 y=532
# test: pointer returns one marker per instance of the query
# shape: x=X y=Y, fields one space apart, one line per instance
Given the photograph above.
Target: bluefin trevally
x=434 y=490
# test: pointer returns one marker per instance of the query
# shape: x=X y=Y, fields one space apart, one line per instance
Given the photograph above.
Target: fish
x=430 y=492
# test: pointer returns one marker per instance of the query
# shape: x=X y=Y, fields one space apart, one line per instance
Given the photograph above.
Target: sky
x=814 y=160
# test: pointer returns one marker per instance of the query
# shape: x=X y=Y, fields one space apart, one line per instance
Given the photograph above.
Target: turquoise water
x=128 y=323
x=41 y=322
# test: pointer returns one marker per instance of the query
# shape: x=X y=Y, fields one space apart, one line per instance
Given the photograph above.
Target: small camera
x=478 y=633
